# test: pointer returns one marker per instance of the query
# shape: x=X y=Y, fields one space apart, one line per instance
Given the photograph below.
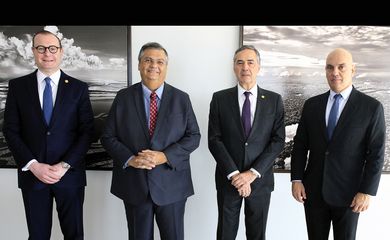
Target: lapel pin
x=66 y=81
x=262 y=96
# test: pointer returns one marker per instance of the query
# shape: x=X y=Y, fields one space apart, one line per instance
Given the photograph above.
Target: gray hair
x=244 y=47
x=153 y=45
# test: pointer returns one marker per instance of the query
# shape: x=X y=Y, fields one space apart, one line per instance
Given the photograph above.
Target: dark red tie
x=153 y=113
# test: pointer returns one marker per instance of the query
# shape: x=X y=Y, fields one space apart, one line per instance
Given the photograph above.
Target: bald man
x=343 y=130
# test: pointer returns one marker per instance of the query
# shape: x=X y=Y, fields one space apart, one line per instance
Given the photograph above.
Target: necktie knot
x=247 y=94
x=153 y=95
x=47 y=80
x=337 y=97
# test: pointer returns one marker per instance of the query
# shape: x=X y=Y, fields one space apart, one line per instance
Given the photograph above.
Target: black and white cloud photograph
x=96 y=55
x=293 y=65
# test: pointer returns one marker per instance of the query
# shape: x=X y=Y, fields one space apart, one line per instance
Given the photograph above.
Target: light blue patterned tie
x=47 y=101
x=332 y=121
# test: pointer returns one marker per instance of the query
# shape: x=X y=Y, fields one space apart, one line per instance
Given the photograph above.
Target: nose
x=245 y=66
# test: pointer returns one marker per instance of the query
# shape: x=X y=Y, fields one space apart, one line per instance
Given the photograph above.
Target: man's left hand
x=360 y=202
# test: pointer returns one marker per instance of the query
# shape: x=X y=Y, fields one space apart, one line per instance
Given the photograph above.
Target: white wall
x=200 y=63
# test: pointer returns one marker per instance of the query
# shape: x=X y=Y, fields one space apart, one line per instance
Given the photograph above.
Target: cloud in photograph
x=16 y=56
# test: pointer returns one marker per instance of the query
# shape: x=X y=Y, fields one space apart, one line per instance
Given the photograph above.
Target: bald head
x=339 y=69
x=340 y=53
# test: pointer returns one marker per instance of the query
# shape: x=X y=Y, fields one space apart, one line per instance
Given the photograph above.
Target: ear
x=353 y=69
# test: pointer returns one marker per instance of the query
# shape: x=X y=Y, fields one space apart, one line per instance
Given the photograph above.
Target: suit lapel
x=235 y=109
x=63 y=85
x=33 y=87
x=321 y=110
x=260 y=110
x=140 y=106
x=163 y=109
x=348 y=110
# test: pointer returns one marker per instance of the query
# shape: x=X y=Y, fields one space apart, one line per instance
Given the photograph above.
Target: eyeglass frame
x=47 y=48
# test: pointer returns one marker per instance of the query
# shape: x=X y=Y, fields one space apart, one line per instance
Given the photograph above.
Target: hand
x=298 y=191
x=61 y=171
x=148 y=159
x=244 y=178
x=360 y=202
x=141 y=163
x=156 y=157
x=245 y=190
x=45 y=173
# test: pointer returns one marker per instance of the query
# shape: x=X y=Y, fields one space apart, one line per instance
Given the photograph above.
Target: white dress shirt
x=55 y=79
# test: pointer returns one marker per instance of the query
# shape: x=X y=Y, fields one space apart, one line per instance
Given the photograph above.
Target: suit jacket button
x=48 y=133
x=246 y=144
x=327 y=153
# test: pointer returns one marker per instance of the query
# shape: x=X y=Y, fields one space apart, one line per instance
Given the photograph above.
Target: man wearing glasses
x=150 y=133
x=48 y=125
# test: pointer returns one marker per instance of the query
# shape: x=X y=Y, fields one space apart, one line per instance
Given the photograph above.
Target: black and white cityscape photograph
x=293 y=65
x=96 y=55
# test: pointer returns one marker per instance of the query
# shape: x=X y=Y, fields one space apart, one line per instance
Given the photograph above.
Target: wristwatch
x=65 y=165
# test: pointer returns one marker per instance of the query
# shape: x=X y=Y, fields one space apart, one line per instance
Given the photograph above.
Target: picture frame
x=293 y=65
x=98 y=55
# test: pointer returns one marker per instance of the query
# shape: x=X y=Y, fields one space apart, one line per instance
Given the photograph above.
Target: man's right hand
x=142 y=162
x=44 y=172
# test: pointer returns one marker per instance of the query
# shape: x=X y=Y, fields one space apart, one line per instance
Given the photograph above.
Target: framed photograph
x=293 y=65
x=96 y=55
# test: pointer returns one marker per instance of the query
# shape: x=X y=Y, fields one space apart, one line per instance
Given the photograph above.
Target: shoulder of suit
x=175 y=90
x=263 y=91
x=366 y=99
x=22 y=79
x=225 y=91
x=69 y=79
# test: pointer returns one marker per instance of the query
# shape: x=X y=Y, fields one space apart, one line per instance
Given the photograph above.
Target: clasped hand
x=242 y=182
x=46 y=173
x=148 y=159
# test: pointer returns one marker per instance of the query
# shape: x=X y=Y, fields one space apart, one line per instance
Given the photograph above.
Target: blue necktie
x=246 y=114
x=332 y=120
x=47 y=101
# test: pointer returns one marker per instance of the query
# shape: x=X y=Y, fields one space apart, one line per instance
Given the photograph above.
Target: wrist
x=65 y=165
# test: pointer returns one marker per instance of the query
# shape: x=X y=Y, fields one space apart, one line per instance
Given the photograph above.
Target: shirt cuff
x=297 y=180
x=232 y=174
x=256 y=172
x=126 y=163
x=27 y=166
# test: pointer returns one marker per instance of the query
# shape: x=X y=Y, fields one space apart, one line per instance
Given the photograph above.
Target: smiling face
x=339 y=69
x=246 y=67
x=47 y=62
x=153 y=68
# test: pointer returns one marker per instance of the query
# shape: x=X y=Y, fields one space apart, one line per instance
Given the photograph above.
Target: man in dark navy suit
x=343 y=130
x=150 y=132
x=48 y=124
x=246 y=134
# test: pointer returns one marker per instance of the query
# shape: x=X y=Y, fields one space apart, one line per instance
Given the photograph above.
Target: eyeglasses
x=52 y=49
x=148 y=60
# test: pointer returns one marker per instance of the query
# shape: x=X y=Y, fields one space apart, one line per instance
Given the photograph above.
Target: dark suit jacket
x=176 y=134
x=227 y=143
x=351 y=162
x=67 y=138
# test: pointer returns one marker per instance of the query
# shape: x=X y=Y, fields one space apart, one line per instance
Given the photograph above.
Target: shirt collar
x=241 y=90
x=345 y=93
x=146 y=91
x=55 y=77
